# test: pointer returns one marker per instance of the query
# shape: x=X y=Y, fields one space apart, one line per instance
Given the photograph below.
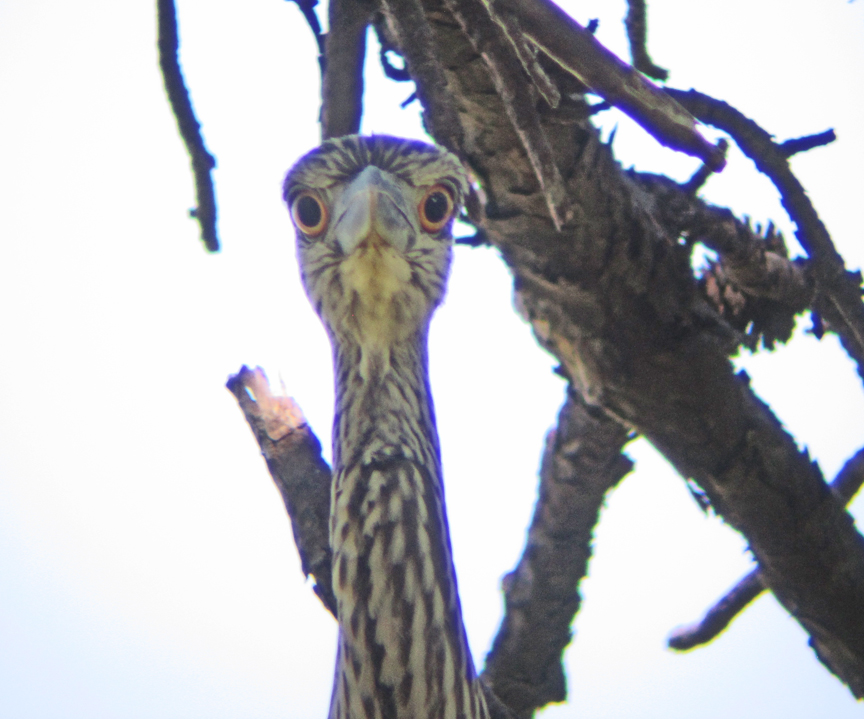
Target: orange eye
x=309 y=214
x=436 y=208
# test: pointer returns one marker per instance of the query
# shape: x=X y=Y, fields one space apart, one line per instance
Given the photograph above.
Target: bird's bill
x=375 y=207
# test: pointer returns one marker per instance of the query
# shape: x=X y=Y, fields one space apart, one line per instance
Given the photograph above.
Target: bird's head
x=374 y=219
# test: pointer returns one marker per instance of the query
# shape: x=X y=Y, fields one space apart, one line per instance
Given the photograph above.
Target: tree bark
x=612 y=295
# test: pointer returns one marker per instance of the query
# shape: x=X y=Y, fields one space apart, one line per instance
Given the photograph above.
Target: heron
x=373 y=218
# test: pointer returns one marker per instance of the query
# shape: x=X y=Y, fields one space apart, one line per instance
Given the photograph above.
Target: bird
x=374 y=224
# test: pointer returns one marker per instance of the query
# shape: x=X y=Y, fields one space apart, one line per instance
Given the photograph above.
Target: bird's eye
x=309 y=214
x=436 y=208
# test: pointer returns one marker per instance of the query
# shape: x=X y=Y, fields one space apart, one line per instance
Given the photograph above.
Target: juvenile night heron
x=374 y=239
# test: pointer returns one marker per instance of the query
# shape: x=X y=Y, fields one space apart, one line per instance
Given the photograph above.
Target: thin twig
x=843 y=310
x=342 y=89
x=578 y=52
x=307 y=7
x=293 y=456
x=636 y=23
x=583 y=460
x=491 y=42
x=190 y=130
x=399 y=74
x=700 y=177
x=719 y=616
x=846 y=486
x=808 y=142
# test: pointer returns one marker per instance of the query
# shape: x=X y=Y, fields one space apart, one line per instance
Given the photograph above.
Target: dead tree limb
x=583 y=460
x=614 y=298
x=190 y=130
x=578 y=51
x=293 y=456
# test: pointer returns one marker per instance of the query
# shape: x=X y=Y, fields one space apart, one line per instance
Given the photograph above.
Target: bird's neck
x=384 y=405
x=403 y=649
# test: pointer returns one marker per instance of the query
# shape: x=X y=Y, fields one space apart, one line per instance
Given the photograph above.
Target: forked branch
x=845 y=486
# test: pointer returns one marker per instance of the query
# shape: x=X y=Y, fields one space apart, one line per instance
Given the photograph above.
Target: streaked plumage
x=374 y=241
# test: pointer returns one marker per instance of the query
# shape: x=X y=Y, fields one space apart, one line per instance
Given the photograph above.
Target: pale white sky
x=146 y=563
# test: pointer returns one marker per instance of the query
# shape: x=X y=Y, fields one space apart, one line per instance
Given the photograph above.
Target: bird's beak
x=374 y=208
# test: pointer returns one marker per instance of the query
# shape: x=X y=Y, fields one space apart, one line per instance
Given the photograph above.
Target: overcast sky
x=147 y=567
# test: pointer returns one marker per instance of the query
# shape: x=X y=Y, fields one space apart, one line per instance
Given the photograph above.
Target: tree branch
x=293 y=456
x=307 y=7
x=753 y=286
x=840 y=290
x=636 y=23
x=342 y=88
x=808 y=142
x=583 y=460
x=190 y=130
x=576 y=50
x=417 y=46
x=845 y=486
x=614 y=298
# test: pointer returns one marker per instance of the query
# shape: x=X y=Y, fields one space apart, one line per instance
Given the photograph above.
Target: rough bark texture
x=582 y=462
x=613 y=297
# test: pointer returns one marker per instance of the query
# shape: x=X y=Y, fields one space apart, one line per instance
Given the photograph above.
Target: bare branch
x=802 y=144
x=504 y=67
x=293 y=456
x=342 y=89
x=307 y=7
x=700 y=177
x=577 y=51
x=582 y=462
x=845 y=486
x=408 y=22
x=190 y=130
x=840 y=290
x=637 y=33
x=719 y=616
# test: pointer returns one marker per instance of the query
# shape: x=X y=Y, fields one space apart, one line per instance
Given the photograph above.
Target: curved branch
x=190 y=129
x=843 y=310
x=636 y=23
